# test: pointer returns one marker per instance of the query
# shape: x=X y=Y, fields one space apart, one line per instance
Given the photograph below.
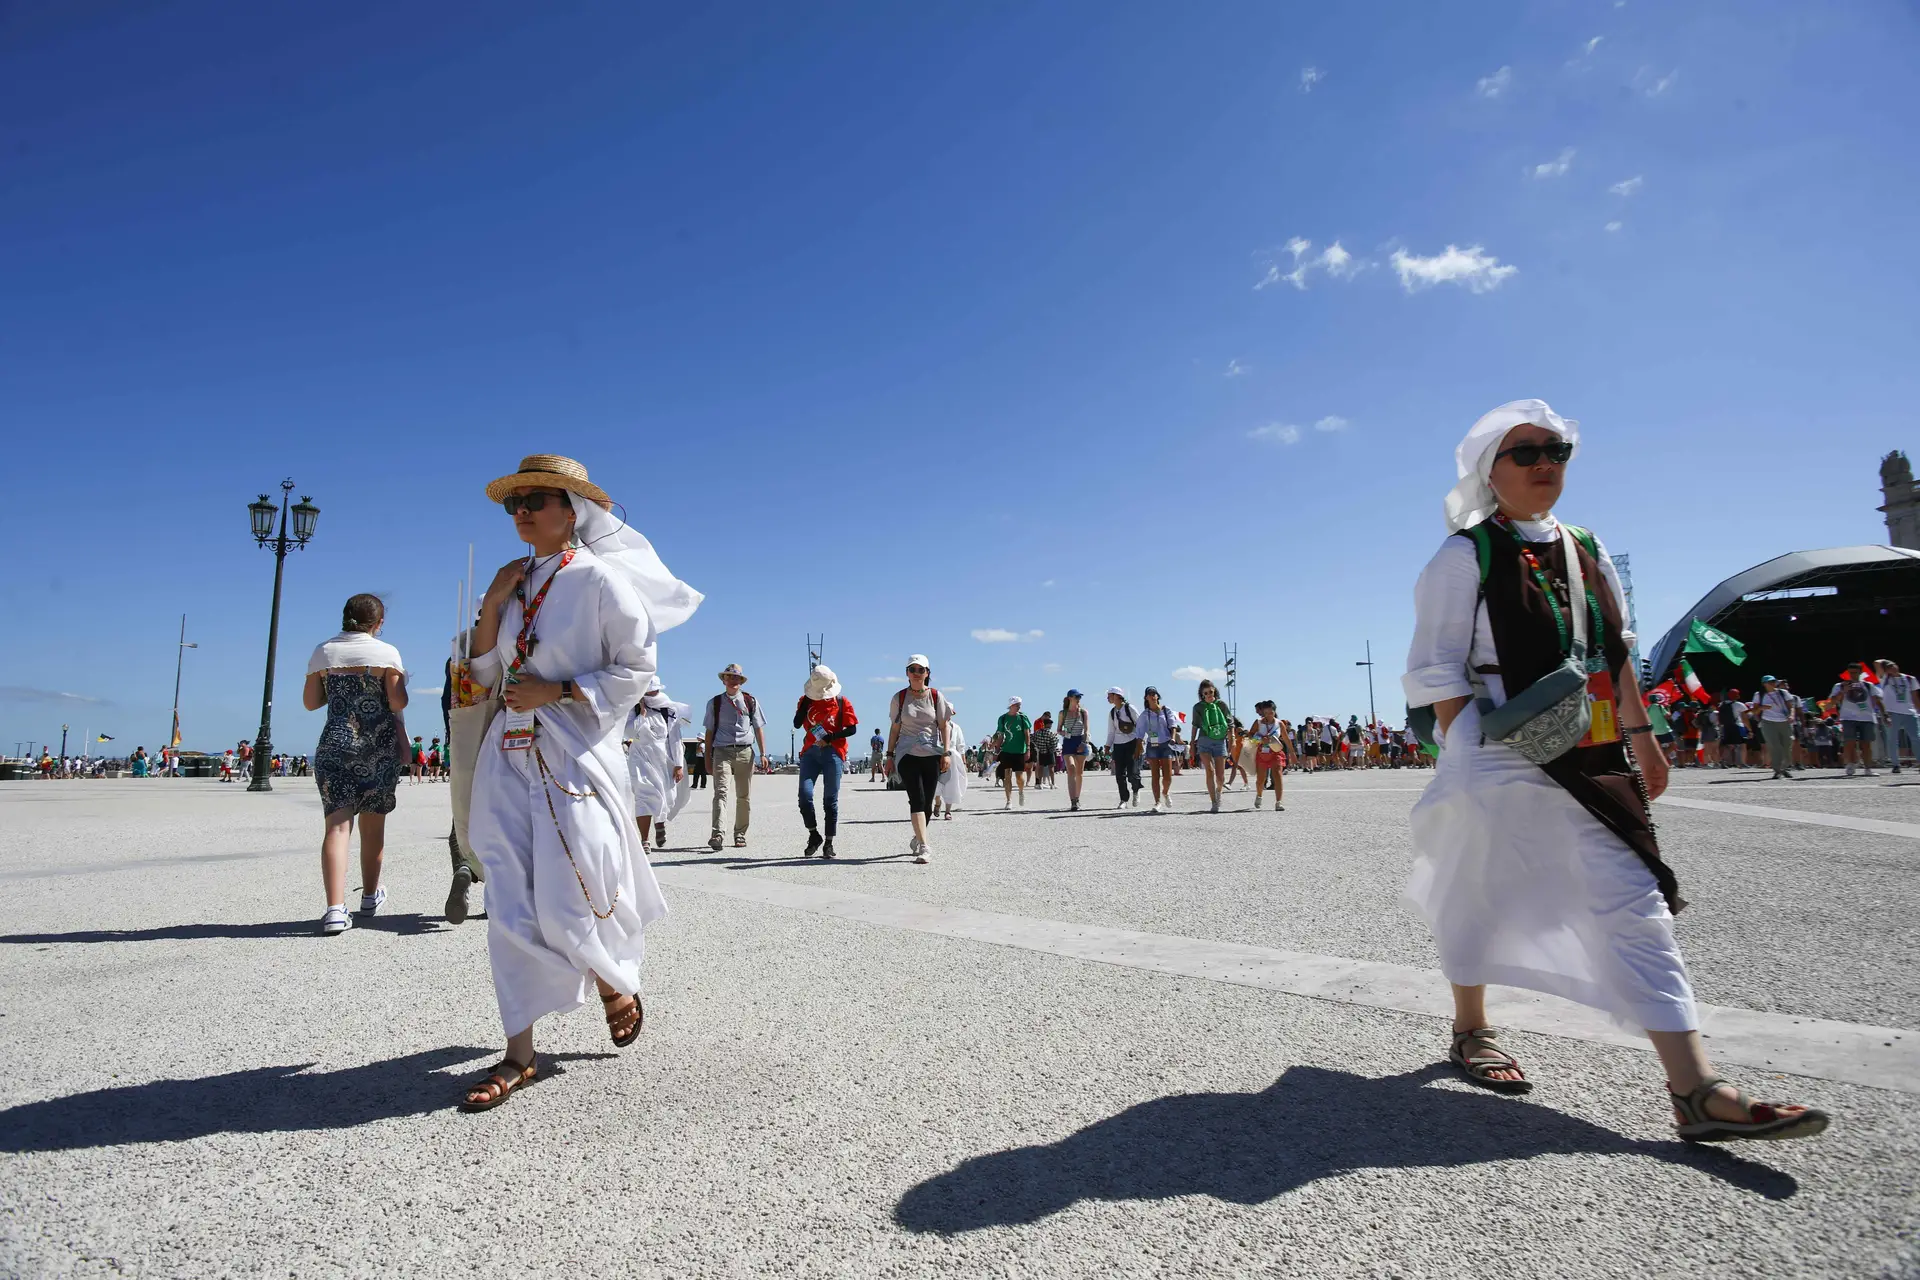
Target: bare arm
x=314 y=695
x=396 y=683
x=1447 y=708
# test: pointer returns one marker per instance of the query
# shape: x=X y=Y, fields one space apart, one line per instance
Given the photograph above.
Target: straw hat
x=549 y=471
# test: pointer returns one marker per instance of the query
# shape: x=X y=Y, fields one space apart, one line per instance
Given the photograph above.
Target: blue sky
x=919 y=324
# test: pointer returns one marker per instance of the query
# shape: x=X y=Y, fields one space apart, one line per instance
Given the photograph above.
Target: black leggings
x=920 y=775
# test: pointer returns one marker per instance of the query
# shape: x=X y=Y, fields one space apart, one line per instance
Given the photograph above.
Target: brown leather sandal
x=499 y=1084
x=624 y=1024
x=1771 y=1121
x=1486 y=1056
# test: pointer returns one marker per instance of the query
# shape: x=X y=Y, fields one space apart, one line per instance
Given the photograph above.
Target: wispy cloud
x=1275 y=433
x=1496 y=84
x=434 y=692
x=1615 y=225
x=1234 y=369
x=1592 y=44
x=1472 y=267
x=1216 y=674
x=1000 y=635
x=1048 y=583
x=1052 y=668
x=1334 y=260
x=1332 y=422
x=1556 y=167
x=886 y=679
x=1647 y=82
x=1629 y=186
x=22 y=693
x=1309 y=77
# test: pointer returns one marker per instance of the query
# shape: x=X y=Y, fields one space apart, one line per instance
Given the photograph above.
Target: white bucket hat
x=823 y=685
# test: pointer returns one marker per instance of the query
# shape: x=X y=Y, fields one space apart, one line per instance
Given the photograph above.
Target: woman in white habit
x=953 y=783
x=656 y=769
x=569 y=632
x=1548 y=876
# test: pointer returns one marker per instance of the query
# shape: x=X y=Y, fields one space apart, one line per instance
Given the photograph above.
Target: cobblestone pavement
x=851 y=1084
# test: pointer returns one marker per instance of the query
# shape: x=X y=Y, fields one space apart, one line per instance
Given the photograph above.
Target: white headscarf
x=656 y=699
x=669 y=601
x=1472 y=500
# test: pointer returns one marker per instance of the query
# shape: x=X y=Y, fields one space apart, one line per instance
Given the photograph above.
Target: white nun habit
x=953 y=783
x=654 y=733
x=569 y=888
x=1521 y=885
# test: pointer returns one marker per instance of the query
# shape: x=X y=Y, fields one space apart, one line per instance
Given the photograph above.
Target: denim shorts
x=1074 y=746
x=1858 y=731
x=1210 y=746
x=1160 y=751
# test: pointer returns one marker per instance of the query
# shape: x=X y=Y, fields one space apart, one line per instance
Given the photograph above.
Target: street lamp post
x=262 y=512
x=1372 y=718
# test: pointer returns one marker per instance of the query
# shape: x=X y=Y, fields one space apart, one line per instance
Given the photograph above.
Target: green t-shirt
x=1657 y=717
x=1013 y=730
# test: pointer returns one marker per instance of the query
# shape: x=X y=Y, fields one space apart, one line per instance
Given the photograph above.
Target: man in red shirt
x=829 y=721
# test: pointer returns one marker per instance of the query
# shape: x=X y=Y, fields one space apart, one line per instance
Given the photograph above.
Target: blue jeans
x=821 y=762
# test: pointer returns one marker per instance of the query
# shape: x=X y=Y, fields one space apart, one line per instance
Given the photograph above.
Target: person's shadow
x=261 y=1100
x=1249 y=1148
x=406 y=924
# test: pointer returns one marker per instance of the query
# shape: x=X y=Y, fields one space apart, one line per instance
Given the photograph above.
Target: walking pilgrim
x=655 y=767
x=568 y=635
x=1536 y=864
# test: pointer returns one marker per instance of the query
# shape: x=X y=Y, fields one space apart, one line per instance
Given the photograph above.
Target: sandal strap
x=1694 y=1103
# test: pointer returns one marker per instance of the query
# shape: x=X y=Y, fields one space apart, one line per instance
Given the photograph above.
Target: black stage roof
x=1804 y=616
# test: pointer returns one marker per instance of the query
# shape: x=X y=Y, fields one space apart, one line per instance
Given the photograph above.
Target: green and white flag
x=1702 y=638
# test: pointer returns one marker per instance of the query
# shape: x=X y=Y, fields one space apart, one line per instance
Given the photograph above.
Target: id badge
x=517 y=734
x=1605 y=726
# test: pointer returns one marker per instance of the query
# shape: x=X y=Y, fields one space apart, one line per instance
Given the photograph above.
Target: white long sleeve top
x=1451 y=633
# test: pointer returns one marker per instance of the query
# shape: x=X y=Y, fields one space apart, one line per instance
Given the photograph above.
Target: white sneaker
x=1870 y=773
x=1156 y=807
x=1259 y=801
x=1023 y=799
x=1216 y=806
x=371 y=902
x=921 y=851
x=335 y=921
x=1849 y=771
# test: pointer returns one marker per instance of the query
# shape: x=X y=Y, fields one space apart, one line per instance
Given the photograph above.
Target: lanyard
x=523 y=643
x=1553 y=601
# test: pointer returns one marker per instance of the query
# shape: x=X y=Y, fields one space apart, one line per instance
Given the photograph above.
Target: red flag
x=1668 y=690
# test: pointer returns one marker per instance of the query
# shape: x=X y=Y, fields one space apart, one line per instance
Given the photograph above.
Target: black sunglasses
x=1525 y=455
x=515 y=503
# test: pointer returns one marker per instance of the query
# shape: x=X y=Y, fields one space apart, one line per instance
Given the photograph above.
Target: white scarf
x=1472 y=500
x=669 y=601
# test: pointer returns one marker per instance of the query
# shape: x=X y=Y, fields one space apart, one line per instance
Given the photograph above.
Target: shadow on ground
x=1249 y=1148
x=262 y=1100
x=406 y=924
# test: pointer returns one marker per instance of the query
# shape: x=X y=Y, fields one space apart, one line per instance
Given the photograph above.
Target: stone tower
x=1903 y=500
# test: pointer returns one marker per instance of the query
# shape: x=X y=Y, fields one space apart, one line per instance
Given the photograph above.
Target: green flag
x=1702 y=638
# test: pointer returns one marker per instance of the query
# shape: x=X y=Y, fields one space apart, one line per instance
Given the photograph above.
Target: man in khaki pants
x=734 y=727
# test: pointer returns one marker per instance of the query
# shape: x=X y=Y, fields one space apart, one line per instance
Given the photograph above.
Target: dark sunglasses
x=1525 y=455
x=921 y=670
x=515 y=503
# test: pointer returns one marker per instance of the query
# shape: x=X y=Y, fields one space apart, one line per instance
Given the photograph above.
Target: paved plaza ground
x=1095 y=1044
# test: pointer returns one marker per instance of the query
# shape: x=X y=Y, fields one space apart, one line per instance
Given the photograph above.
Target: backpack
x=899 y=704
x=713 y=708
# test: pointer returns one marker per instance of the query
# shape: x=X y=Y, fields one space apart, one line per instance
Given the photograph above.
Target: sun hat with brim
x=549 y=471
x=733 y=669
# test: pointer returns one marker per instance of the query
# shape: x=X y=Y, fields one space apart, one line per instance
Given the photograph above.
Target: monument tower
x=1902 y=500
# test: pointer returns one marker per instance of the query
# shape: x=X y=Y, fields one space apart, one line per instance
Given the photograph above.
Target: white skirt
x=1524 y=888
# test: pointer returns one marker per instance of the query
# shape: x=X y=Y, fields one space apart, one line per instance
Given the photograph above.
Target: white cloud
x=1593 y=44
x=1556 y=167
x=1332 y=422
x=1275 y=433
x=1000 y=635
x=1235 y=369
x=1334 y=260
x=953 y=688
x=1473 y=267
x=1496 y=84
x=1048 y=583
x=886 y=679
x=1651 y=85
x=434 y=692
x=1309 y=77
x=1614 y=225
x=1629 y=186
x=1052 y=668
x=1216 y=674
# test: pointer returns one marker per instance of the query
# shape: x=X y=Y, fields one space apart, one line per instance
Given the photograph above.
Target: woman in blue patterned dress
x=362 y=683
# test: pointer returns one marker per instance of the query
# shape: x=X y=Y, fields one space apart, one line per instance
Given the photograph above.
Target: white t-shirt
x=1896 y=694
x=1861 y=710
x=1776 y=707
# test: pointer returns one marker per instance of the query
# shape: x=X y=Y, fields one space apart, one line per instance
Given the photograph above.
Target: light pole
x=173 y=739
x=262 y=512
x=1372 y=719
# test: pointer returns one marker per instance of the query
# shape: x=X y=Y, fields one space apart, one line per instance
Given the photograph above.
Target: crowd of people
x=1867 y=718
x=1536 y=862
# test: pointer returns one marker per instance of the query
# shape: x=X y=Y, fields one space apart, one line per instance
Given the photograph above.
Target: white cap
x=919 y=660
x=1014 y=699
x=1117 y=689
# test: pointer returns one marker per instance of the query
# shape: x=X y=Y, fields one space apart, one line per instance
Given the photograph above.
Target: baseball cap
x=919 y=660
x=1073 y=693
